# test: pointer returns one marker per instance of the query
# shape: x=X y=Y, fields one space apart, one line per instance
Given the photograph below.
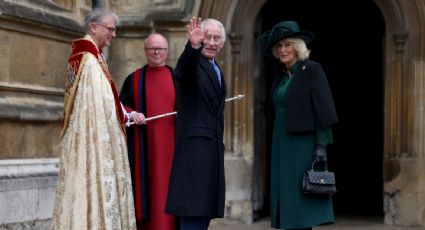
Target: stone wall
x=27 y=189
x=35 y=38
x=34 y=43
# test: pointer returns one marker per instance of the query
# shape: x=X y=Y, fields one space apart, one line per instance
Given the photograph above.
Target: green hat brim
x=269 y=39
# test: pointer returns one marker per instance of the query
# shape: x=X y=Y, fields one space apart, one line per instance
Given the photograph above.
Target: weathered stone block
x=27 y=193
x=29 y=140
x=238 y=182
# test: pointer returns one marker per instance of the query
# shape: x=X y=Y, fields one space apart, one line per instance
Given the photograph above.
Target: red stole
x=81 y=47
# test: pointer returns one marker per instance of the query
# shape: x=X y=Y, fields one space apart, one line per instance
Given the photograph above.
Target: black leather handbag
x=319 y=182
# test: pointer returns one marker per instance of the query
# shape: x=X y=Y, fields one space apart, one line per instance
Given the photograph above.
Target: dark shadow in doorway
x=349 y=45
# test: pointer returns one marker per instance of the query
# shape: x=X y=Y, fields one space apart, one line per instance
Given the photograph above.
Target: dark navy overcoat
x=197 y=183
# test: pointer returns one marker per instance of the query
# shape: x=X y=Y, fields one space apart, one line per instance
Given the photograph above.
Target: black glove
x=320 y=153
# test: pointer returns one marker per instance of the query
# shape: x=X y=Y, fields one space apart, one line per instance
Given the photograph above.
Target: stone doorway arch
x=403 y=88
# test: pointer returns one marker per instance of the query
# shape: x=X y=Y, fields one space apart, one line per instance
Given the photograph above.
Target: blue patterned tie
x=217 y=70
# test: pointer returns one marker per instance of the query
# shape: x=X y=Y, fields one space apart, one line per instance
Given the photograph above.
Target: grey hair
x=302 y=52
x=97 y=15
x=209 y=21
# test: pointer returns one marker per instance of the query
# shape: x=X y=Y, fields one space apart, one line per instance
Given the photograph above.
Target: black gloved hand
x=320 y=153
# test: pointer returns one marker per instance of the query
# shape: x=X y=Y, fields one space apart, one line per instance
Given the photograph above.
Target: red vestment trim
x=79 y=48
x=137 y=169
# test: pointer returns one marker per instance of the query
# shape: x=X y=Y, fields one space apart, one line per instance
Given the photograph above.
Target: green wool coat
x=292 y=155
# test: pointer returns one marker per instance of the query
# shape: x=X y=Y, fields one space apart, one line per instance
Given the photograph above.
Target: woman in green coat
x=303 y=114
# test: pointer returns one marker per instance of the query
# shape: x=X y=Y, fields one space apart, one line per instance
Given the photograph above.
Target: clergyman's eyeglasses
x=156 y=49
x=110 y=29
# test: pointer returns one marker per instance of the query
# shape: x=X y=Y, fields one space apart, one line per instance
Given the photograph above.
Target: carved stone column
x=238 y=177
x=394 y=127
x=404 y=136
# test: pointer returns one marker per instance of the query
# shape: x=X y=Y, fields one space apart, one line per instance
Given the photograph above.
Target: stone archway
x=340 y=68
x=404 y=90
x=248 y=66
x=404 y=119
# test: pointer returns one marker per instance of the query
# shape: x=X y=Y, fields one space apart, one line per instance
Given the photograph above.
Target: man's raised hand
x=194 y=33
